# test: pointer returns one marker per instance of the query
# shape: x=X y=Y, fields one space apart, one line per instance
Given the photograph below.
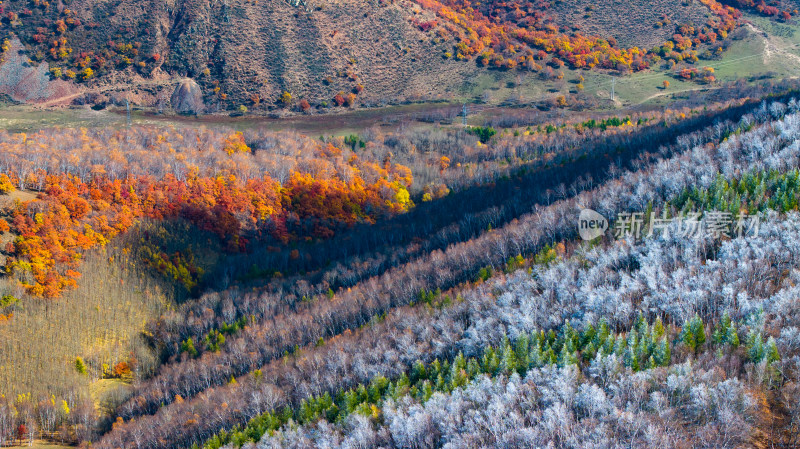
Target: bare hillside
x=242 y=52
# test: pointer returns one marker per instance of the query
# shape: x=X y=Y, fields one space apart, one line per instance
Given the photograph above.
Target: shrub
x=8 y=300
x=286 y=99
x=339 y=99
x=86 y=73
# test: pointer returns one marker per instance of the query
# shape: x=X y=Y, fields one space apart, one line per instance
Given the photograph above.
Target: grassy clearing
x=755 y=57
x=23 y=118
x=108 y=394
x=42 y=444
x=340 y=122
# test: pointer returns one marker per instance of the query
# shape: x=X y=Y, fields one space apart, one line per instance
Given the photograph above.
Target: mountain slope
x=346 y=52
x=244 y=48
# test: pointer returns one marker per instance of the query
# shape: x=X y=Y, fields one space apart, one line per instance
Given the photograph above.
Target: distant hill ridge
x=333 y=53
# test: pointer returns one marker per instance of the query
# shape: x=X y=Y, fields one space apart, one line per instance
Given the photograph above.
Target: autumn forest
x=263 y=224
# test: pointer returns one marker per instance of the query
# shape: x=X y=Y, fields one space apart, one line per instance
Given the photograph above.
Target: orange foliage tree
x=504 y=34
x=213 y=180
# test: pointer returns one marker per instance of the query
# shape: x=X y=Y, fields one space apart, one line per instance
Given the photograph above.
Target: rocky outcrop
x=25 y=82
x=188 y=98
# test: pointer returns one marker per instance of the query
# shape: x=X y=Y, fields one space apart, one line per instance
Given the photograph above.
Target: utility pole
x=613 y=84
x=128 y=111
x=464 y=114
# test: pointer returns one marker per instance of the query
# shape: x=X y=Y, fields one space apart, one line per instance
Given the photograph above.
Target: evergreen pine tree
x=458 y=374
x=755 y=347
x=490 y=362
x=619 y=346
x=535 y=356
x=522 y=348
x=662 y=353
x=567 y=355
x=641 y=325
x=351 y=401
x=687 y=336
x=80 y=366
x=473 y=368
x=699 y=331
x=187 y=346
x=588 y=336
x=602 y=333
x=569 y=333
x=460 y=362
x=720 y=335
x=445 y=369
x=608 y=346
x=634 y=361
x=771 y=351
x=632 y=342
x=658 y=329
x=693 y=334
x=361 y=391
x=440 y=383
x=550 y=356
x=733 y=336
x=436 y=366
x=508 y=364
x=589 y=352
x=427 y=391
x=331 y=414
x=645 y=346
x=418 y=372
